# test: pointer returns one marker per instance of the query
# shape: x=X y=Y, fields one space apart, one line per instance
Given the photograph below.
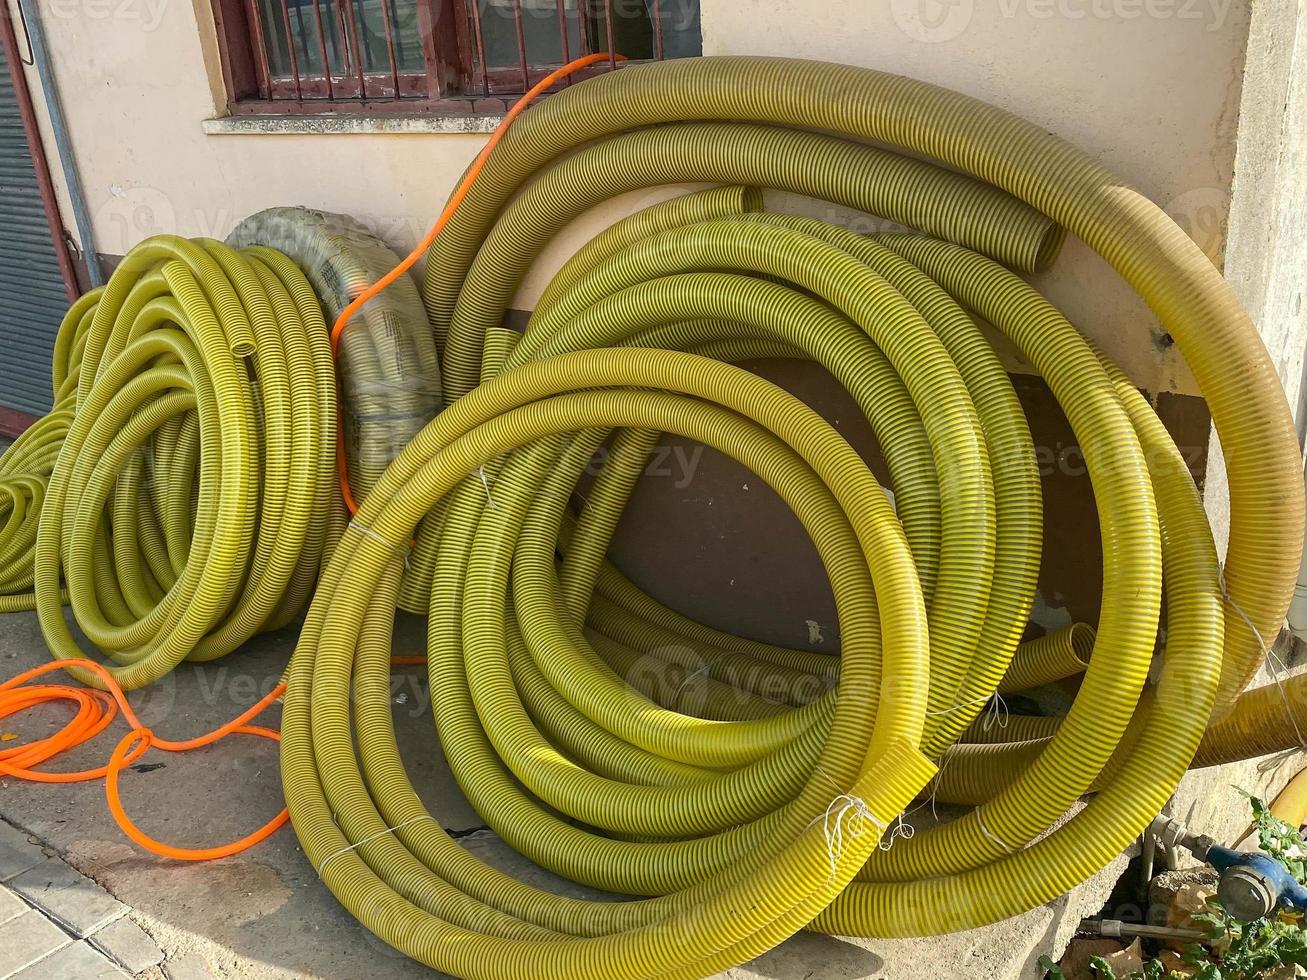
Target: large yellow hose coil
x=746 y=800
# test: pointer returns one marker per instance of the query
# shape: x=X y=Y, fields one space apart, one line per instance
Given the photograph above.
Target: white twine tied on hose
x=1278 y=669
x=369 y=839
x=846 y=816
x=689 y=679
x=485 y=483
x=401 y=553
x=996 y=714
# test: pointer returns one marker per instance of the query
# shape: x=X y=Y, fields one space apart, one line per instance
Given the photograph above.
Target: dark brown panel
x=709 y=539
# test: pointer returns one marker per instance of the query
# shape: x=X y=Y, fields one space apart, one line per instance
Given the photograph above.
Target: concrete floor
x=263 y=914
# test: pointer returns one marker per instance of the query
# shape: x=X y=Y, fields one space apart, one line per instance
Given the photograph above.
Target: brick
x=17 y=853
x=70 y=898
x=11 y=906
x=77 y=961
x=128 y=945
x=26 y=939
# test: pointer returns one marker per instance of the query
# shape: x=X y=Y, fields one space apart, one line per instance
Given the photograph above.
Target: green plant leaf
x=1102 y=968
x=1051 y=970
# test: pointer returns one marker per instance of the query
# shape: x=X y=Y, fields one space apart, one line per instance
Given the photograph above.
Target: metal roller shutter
x=32 y=294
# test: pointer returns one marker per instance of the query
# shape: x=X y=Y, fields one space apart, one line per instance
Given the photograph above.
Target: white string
x=835 y=829
x=993 y=839
x=367 y=532
x=370 y=838
x=1273 y=661
x=839 y=809
x=901 y=830
x=933 y=799
x=690 y=678
x=485 y=482
x=997 y=714
x=958 y=707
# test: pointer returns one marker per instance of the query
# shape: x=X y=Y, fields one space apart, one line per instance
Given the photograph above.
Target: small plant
x=1234 y=950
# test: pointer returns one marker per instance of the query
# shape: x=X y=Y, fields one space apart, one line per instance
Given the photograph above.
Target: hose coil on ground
x=192 y=500
x=754 y=807
x=27 y=462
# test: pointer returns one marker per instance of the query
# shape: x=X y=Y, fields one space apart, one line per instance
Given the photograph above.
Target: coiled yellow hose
x=26 y=464
x=191 y=493
x=747 y=821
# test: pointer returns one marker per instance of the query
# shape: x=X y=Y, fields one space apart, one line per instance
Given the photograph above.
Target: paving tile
x=74 y=962
x=26 y=939
x=17 y=853
x=128 y=945
x=11 y=906
x=188 y=966
x=67 y=896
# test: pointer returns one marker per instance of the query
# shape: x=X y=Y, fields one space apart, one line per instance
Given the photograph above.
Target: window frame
x=447 y=51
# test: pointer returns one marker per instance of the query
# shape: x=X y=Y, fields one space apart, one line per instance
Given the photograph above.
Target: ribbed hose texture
x=745 y=800
x=389 y=369
x=187 y=495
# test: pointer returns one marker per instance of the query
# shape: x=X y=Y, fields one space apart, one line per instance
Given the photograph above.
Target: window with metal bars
x=441 y=55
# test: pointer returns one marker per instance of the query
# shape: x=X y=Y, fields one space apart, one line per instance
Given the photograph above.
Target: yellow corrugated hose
x=26 y=464
x=190 y=481
x=739 y=788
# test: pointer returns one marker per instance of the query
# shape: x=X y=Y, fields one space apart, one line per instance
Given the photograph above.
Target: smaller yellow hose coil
x=191 y=502
x=461 y=916
x=27 y=463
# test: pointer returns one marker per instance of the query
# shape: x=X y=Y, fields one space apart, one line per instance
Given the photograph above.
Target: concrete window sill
x=326 y=125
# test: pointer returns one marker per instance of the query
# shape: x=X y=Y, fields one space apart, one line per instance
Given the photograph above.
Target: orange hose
x=95 y=710
x=421 y=249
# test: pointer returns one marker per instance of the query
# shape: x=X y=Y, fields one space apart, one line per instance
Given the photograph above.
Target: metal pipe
x=1114 y=929
x=59 y=128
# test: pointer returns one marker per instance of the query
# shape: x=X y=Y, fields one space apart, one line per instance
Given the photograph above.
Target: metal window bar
x=390 y=46
x=354 y=47
x=322 y=48
x=290 y=47
x=479 y=37
x=521 y=44
x=453 y=62
x=564 y=38
x=608 y=29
